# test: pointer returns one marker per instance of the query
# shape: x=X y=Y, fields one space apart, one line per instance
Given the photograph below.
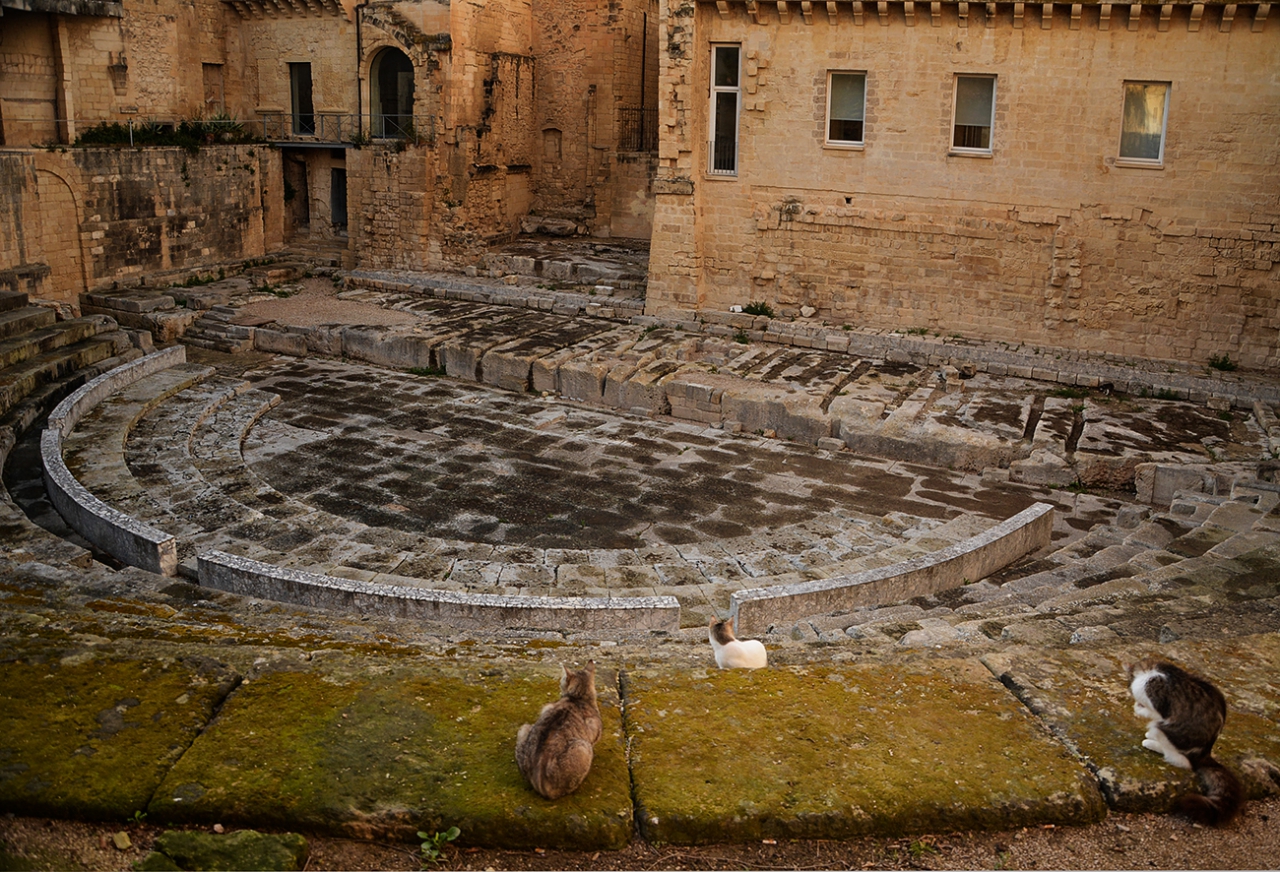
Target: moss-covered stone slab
x=387 y=751
x=1083 y=697
x=92 y=735
x=839 y=751
x=211 y=852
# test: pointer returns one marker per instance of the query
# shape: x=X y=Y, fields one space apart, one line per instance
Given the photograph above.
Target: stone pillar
x=675 y=253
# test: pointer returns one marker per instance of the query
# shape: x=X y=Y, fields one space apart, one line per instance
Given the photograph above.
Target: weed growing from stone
x=427 y=371
x=741 y=337
x=433 y=844
x=1223 y=363
x=917 y=331
x=758 y=309
x=1068 y=393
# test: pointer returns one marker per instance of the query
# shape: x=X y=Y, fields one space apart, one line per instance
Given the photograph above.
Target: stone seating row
x=145 y=545
x=1189 y=563
x=41 y=361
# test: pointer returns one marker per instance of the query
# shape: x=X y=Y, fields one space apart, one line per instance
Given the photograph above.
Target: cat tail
x=1222 y=798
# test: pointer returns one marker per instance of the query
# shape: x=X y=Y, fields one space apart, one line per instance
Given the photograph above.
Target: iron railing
x=637 y=129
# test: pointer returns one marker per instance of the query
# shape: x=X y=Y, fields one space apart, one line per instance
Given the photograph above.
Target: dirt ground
x=1120 y=842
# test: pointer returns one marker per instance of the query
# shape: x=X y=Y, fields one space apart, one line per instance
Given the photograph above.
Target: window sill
x=845 y=146
x=964 y=152
x=721 y=177
x=1134 y=163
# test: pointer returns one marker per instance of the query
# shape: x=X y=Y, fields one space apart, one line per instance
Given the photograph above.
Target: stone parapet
x=975 y=558
x=246 y=577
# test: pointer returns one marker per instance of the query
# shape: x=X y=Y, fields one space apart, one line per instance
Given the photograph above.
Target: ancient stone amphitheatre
x=302 y=501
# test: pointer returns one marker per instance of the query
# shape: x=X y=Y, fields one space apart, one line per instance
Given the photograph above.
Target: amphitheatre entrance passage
x=464 y=462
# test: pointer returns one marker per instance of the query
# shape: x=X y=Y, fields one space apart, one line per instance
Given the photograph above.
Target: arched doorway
x=391 y=83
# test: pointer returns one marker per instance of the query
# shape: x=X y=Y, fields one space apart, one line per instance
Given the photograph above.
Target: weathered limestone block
x=792 y=414
x=387 y=346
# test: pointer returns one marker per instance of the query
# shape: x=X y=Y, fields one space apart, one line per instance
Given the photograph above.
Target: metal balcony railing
x=637 y=129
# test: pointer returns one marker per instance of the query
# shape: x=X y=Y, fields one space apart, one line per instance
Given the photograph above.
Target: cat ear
x=591 y=667
x=729 y=624
x=712 y=622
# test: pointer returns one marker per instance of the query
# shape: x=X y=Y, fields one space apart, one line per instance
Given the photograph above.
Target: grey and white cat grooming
x=1187 y=713
x=734 y=653
x=555 y=753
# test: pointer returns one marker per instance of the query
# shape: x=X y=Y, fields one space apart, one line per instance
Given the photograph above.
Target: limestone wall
x=1048 y=241
x=595 y=62
x=82 y=219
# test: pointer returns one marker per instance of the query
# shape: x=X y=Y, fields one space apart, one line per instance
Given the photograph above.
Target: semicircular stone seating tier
x=164 y=450
x=168 y=448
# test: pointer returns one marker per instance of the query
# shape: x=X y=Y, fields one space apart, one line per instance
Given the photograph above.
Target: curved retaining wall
x=123 y=537
x=247 y=577
x=68 y=413
x=974 y=558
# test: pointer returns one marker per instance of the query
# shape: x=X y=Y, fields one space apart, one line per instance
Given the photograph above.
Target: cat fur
x=1186 y=714
x=555 y=753
x=733 y=653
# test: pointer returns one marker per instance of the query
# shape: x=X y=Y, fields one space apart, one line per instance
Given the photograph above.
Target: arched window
x=391 y=83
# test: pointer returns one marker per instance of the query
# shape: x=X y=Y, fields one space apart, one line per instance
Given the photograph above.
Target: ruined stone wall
x=391 y=204
x=595 y=62
x=163 y=49
x=267 y=46
x=1047 y=241
x=28 y=79
x=87 y=218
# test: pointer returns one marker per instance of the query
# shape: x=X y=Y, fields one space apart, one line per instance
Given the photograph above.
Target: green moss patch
x=92 y=736
x=1083 y=697
x=833 y=752
x=391 y=753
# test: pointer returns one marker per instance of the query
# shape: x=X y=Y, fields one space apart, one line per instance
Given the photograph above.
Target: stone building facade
x=1091 y=176
x=415 y=132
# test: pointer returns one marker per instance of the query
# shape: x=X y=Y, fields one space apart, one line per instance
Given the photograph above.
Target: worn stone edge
x=755 y=609
x=247 y=577
x=69 y=412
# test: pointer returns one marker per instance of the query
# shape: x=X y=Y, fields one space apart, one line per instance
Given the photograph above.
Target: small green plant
x=1226 y=416
x=1166 y=394
x=138 y=817
x=650 y=329
x=1223 y=363
x=741 y=336
x=917 y=331
x=1068 y=393
x=921 y=847
x=758 y=309
x=427 y=371
x=197 y=281
x=433 y=843
x=1002 y=860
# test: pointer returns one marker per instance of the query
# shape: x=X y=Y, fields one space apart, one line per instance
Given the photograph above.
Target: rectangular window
x=1146 y=111
x=304 y=117
x=846 y=107
x=726 y=102
x=974 y=114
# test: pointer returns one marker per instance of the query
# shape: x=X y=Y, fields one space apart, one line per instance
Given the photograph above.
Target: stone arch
x=391 y=94
x=59 y=241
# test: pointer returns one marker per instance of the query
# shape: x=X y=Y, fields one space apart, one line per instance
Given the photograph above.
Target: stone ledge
x=241 y=575
x=974 y=558
x=69 y=412
x=118 y=534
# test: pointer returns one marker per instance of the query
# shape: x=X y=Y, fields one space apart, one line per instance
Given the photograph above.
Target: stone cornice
x=1042 y=15
x=266 y=9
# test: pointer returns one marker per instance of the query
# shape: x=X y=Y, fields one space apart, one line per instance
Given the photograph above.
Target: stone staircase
x=1207 y=559
x=214 y=330
x=42 y=360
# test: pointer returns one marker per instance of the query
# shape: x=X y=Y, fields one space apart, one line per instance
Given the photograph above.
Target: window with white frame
x=846 y=108
x=1146 y=113
x=973 y=114
x=726 y=104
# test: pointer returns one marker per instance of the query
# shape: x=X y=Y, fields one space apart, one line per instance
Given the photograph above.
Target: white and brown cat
x=1186 y=714
x=732 y=652
x=555 y=753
